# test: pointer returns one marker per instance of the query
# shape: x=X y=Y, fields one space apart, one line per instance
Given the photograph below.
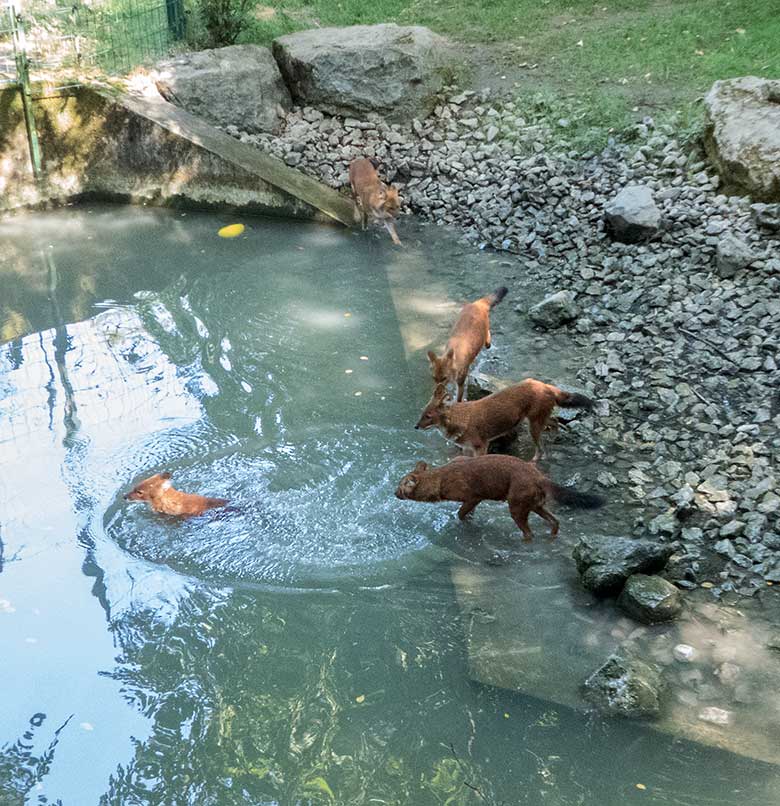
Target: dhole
x=469 y=335
x=474 y=424
x=493 y=478
x=373 y=197
x=159 y=492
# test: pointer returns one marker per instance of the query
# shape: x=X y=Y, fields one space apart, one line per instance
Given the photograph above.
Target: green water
x=306 y=648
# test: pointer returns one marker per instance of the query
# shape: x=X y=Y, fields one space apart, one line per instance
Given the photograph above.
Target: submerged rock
x=554 y=311
x=650 y=599
x=632 y=215
x=605 y=563
x=742 y=137
x=716 y=716
x=625 y=686
x=684 y=653
x=237 y=86
x=393 y=70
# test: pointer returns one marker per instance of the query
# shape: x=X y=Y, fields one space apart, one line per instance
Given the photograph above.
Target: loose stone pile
x=682 y=322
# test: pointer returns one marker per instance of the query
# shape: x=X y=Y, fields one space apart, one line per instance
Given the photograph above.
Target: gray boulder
x=395 y=71
x=650 y=599
x=239 y=85
x=767 y=216
x=742 y=135
x=632 y=215
x=554 y=311
x=605 y=563
x=732 y=255
x=625 y=686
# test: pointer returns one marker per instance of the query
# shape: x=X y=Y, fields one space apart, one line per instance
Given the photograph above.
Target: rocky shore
x=683 y=324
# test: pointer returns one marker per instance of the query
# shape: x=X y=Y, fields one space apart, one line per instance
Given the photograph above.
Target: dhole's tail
x=570 y=497
x=573 y=400
x=496 y=297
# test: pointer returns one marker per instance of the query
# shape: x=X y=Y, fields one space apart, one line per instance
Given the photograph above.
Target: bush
x=225 y=20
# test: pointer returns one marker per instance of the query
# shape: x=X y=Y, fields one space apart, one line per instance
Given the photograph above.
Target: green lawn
x=601 y=60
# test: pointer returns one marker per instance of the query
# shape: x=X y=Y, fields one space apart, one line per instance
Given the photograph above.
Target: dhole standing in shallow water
x=158 y=492
x=475 y=424
x=493 y=478
x=469 y=335
x=373 y=197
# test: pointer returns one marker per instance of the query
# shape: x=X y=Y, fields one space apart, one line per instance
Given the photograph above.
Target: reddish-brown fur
x=492 y=478
x=160 y=495
x=373 y=198
x=475 y=424
x=469 y=335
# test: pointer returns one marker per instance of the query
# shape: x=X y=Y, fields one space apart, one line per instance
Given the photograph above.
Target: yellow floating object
x=360 y=698
x=231 y=231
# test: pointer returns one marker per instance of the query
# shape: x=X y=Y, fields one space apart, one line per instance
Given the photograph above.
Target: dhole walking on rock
x=373 y=197
x=158 y=492
x=469 y=335
x=493 y=478
x=473 y=425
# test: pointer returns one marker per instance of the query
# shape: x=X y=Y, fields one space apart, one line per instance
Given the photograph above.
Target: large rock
x=742 y=137
x=625 y=686
x=605 y=563
x=395 y=71
x=239 y=85
x=632 y=215
x=650 y=599
x=767 y=216
x=554 y=311
x=732 y=255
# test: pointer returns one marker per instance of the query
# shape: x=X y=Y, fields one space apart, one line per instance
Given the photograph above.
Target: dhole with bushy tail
x=494 y=478
x=473 y=425
x=158 y=492
x=469 y=335
x=373 y=198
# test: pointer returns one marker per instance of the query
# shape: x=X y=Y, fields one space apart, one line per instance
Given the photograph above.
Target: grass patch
x=608 y=63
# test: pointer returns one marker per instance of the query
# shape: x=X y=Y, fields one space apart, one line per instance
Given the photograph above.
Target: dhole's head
x=150 y=488
x=433 y=413
x=392 y=201
x=441 y=366
x=408 y=484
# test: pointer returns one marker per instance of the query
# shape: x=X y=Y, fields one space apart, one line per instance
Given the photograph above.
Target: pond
x=308 y=646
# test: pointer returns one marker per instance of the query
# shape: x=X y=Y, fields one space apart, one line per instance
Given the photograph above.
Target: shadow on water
x=306 y=647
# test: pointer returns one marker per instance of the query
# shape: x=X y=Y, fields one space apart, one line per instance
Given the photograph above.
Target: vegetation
x=614 y=60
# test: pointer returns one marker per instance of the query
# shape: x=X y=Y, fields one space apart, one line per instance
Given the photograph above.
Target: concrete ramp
x=98 y=142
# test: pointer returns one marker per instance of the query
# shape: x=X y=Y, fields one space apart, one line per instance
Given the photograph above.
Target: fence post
x=174 y=10
x=23 y=77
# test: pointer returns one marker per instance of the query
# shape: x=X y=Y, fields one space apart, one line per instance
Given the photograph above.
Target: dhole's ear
x=165 y=475
x=420 y=467
x=432 y=357
x=450 y=354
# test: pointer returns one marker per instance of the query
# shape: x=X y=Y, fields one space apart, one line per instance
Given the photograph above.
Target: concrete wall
x=100 y=143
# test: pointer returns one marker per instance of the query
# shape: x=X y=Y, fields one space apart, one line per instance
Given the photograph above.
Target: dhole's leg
x=390 y=227
x=536 y=426
x=519 y=511
x=466 y=508
x=462 y=388
x=487 y=340
x=479 y=448
x=550 y=518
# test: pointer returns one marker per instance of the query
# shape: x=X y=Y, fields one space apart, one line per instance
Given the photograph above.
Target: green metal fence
x=56 y=41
